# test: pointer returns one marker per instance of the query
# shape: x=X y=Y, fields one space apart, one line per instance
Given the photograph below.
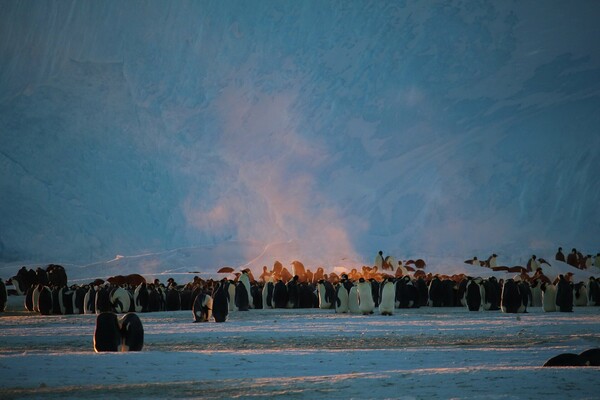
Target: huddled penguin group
x=114 y=334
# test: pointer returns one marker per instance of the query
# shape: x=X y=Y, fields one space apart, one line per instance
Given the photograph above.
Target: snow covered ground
x=417 y=353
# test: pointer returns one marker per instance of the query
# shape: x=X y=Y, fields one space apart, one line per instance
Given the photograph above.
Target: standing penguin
x=220 y=302
x=280 y=295
x=245 y=279
x=341 y=302
x=44 y=305
x=564 y=295
x=107 y=334
x=89 y=301
x=388 y=294
x=231 y=293
x=353 y=302
x=141 y=297
x=366 y=304
x=132 y=332
x=511 y=297
x=475 y=295
x=326 y=294
x=120 y=300
x=593 y=292
x=580 y=295
x=293 y=293
x=267 y=295
x=548 y=297
x=241 y=297
x=3 y=296
x=202 y=308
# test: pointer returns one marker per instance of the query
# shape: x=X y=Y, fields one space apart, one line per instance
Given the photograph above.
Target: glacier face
x=420 y=128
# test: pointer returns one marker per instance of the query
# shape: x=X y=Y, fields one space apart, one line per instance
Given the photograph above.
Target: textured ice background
x=214 y=133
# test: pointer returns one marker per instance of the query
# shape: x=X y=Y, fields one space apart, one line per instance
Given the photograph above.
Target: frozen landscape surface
x=414 y=354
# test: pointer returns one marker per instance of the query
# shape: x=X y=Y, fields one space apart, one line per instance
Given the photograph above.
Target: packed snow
x=426 y=352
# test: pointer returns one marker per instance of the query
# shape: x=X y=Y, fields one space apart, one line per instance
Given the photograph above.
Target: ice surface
x=418 y=353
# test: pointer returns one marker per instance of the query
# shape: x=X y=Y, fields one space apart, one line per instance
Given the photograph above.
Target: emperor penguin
x=326 y=294
x=267 y=294
x=580 y=295
x=475 y=295
x=202 y=308
x=132 y=332
x=245 y=279
x=366 y=303
x=220 y=304
x=341 y=302
x=548 y=297
x=353 y=306
x=387 y=297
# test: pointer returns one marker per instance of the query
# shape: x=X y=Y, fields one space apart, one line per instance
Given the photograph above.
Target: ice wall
x=419 y=128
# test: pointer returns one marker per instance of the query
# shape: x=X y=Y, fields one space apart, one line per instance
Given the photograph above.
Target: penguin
x=406 y=295
x=436 y=292
x=120 y=300
x=103 y=303
x=375 y=291
x=353 y=302
x=567 y=360
x=492 y=294
x=525 y=292
x=107 y=334
x=44 y=305
x=564 y=295
x=548 y=297
x=66 y=300
x=29 y=298
x=326 y=294
x=79 y=300
x=173 y=300
x=186 y=298
x=511 y=297
x=293 y=294
x=580 y=296
x=536 y=293
x=231 y=293
x=56 y=310
x=475 y=295
x=341 y=302
x=387 y=297
x=267 y=295
x=202 y=308
x=256 y=295
x=132 y=332
x=280 y=295
x=366 y=304
x=155 y=299
x=592 y=356
x=241 y=297
x=423 y=291
x=140 y=298
x=593 y=292
x=89 y=301
x=245 y=279
x=18 y=284
x=35 y=295
x=462 y=291
x=308 y=298
x=220 y=306
x=3 y=296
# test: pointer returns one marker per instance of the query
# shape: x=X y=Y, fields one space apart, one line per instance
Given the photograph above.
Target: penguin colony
x=360 y=292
